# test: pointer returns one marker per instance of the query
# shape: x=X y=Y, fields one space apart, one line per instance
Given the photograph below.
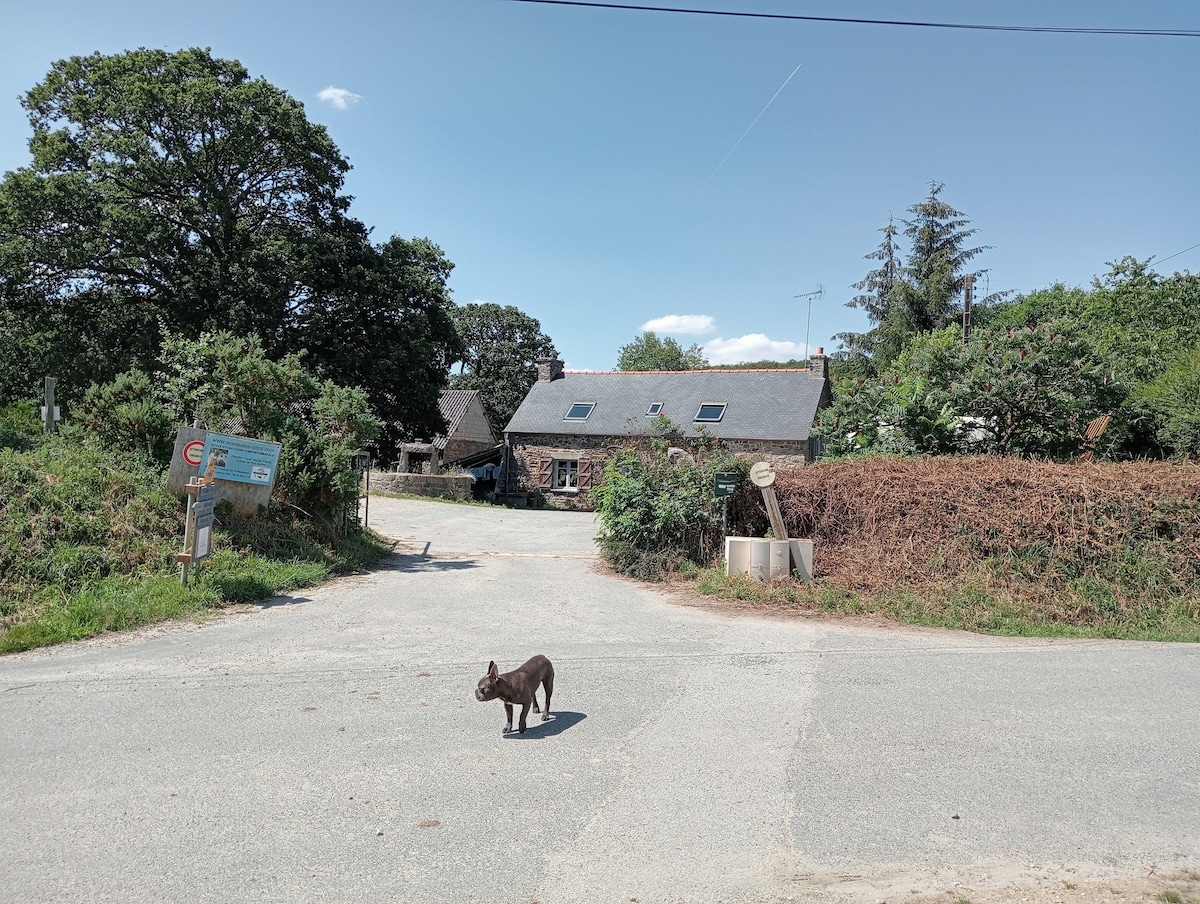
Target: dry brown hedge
x=1031 y=532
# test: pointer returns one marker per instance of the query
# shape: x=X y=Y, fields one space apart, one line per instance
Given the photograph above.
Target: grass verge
x=87 y=544
x=122 y=602
x=965 y=607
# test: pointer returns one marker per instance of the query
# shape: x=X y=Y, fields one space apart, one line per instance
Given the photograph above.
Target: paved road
x=327 y=747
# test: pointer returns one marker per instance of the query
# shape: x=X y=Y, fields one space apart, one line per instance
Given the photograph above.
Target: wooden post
x=762 y=475
x=48 y=419
x=773 y=512
x=185 y=558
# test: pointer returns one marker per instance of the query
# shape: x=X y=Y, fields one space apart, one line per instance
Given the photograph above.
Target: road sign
x=726 y=483
x=193 y=452
x=197 y=532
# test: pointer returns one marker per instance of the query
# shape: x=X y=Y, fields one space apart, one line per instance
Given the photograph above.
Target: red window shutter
x=544 y=468
x=585 y=473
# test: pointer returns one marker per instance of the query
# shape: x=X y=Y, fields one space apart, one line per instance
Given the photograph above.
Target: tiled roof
x=760 y=404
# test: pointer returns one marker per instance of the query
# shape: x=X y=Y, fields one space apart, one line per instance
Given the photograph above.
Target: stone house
x=571 y=423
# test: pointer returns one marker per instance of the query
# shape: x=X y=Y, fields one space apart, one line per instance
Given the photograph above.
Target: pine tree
x=875 y=298
x=919 y=297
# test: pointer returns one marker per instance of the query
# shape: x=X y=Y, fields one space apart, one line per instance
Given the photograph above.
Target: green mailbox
x=725 y=483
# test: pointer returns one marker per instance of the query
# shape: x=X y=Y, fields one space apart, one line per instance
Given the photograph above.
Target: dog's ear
x=493 y=672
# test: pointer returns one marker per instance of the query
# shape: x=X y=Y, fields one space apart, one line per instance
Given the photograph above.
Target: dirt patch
x=1005 y=885
x=1184 y=885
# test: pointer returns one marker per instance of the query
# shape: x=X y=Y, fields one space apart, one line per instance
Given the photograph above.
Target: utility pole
x=820 y=293
x=968 y=297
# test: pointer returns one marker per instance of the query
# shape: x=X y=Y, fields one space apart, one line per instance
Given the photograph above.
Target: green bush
x=657 y=514
x=125 y=415
x=1175 y=398
x=229 y=383
x=20 y=426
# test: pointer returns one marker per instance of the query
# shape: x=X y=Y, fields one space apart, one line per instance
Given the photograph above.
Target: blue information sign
x=239 y=458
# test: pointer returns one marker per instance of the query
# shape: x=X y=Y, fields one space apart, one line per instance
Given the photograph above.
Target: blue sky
x=584 y=165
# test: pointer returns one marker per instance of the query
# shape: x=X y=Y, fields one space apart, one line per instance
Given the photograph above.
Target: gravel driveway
x=326 y=746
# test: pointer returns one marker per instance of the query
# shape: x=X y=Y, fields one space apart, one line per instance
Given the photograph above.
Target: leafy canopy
x=649 y=352
x=501 y=346
x=173 y=194
x=1030 y=392
x=1145 y=324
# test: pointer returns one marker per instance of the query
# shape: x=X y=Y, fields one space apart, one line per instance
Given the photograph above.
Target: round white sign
x=762 y=474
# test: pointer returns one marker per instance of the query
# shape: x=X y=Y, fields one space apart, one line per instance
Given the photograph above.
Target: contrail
x=751 y=126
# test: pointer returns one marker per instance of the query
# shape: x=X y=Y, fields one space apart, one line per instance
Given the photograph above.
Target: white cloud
x=752 y=347
x=681 y=324
x=339 y=97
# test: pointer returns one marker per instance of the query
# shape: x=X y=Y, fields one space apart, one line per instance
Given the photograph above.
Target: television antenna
x=818 y=294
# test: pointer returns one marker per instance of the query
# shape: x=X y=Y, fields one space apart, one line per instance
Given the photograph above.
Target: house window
x=655 y=409
x=580 y=411
x=565 y=474
x=711 y=412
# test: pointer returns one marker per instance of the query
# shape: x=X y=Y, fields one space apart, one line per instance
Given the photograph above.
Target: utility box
x=769 y=559
x=802 y=559
x=760 y=558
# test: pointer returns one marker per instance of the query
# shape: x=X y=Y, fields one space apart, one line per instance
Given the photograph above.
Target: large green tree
x=648 y=352
x=173 y=192
x=501 y=346
x=1145 y=323
x=1031 y=391
x=388 y=326
x=175 y=185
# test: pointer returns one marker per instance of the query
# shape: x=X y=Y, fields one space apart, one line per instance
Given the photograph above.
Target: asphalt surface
x=327 y=746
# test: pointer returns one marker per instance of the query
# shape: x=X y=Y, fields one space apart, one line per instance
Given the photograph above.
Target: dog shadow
x=560 y=721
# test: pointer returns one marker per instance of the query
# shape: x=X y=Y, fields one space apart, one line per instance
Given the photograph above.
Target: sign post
x=197 y=528
x=50 y=413
x=763 y=475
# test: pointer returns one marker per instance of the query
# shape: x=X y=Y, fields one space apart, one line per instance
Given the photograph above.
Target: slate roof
x=453 y=403
x=760 y=404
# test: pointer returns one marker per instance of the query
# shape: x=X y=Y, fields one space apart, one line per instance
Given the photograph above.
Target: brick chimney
x=549 y=369
x=818 y=364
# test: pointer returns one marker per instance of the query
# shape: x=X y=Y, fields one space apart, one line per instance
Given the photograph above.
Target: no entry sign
x=193 y=452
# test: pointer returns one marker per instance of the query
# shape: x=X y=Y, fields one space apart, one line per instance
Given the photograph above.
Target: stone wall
x=438 y=486
x=780 y=455
x=530 y=459
x=530 y=456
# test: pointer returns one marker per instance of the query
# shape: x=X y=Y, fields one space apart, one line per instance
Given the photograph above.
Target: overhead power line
x=1038 y=29
x=1177 y=253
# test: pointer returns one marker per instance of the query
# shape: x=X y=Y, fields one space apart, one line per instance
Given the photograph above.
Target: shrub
x=20 y=426
x=657 y=514
x=229 y=383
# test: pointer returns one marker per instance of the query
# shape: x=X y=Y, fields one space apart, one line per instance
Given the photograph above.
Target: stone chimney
x=818 y=364
x=549 y=369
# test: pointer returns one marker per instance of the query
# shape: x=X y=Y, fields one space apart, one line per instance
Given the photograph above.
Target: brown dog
x=518 y=686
